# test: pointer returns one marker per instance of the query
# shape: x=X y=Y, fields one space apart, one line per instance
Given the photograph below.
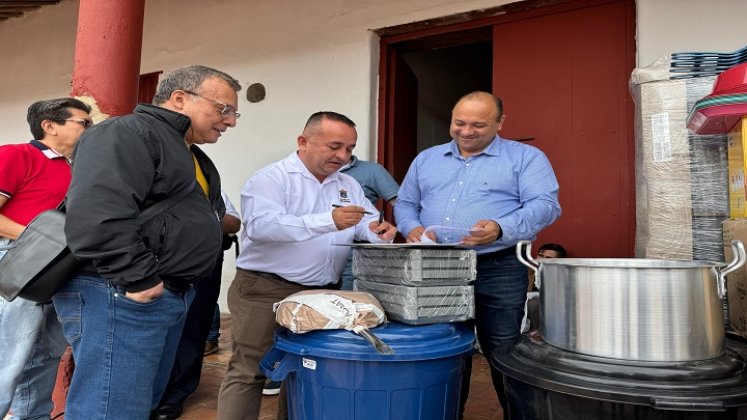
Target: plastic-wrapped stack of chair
x=687 y=65
x=718 y=112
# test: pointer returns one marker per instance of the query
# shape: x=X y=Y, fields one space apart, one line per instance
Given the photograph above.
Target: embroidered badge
x=344 y=196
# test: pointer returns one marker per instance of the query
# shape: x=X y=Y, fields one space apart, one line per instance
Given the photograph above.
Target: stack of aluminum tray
x=418 y=305
x=413 y=266
x=418 y=284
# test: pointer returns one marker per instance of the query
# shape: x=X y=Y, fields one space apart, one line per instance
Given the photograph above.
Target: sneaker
x=271 y=388
x=210 y=348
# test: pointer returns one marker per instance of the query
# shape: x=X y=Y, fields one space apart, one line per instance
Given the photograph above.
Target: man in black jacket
x=123 y=313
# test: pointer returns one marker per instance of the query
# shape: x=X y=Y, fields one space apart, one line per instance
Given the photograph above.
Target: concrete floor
x=482 y=404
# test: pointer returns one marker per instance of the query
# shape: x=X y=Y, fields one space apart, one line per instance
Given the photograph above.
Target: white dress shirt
x=288 y=226
x=230 y=209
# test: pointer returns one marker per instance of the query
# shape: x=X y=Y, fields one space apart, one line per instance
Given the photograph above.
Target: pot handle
x=739 y=259
x=524 y=255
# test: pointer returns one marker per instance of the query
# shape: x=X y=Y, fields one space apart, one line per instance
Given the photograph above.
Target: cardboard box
x=736 y=282
x=737 y=186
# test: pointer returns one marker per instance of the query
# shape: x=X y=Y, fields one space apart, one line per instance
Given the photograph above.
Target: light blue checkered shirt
x=509 y=182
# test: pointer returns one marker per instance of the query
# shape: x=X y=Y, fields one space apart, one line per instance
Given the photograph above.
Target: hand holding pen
x=337 y=206
x=383 y=229
x=347 y=216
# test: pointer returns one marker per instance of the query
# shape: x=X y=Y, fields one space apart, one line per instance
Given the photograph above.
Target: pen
x=381 y=217
x=338 y=206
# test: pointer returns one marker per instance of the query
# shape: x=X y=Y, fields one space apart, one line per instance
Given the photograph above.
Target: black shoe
x=167 y=412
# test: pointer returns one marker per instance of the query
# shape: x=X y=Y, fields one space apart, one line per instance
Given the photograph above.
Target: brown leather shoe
x=210 y=348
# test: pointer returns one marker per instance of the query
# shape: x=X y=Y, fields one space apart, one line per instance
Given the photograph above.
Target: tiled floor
x=482 y=404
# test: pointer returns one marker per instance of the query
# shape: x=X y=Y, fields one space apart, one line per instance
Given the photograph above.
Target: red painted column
x=107 y=53
x=107 y=70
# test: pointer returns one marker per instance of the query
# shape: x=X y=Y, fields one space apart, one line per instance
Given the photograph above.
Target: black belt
x=497 y=254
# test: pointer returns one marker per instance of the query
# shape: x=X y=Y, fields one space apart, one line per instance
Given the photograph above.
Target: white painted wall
x=667 y=26
x=310 y=55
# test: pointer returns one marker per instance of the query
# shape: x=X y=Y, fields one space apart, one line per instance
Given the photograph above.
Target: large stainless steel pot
x=633 y=309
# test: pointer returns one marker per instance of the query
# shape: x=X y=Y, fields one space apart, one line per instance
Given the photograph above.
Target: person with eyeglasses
x=84 y=122
x=124 y=311
x=34 y=177
x=226 y=110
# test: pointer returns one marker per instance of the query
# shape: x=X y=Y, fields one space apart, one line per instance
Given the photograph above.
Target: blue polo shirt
x=376 y=181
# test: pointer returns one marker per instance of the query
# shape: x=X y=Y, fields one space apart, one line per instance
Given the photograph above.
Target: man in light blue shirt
x=503 y=191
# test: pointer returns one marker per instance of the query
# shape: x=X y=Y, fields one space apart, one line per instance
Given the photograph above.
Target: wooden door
x=147 y=87
x=564 y=81
x=400 y=144
x=399 y=86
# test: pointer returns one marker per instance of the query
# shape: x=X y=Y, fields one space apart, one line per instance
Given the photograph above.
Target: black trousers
x=185 y=375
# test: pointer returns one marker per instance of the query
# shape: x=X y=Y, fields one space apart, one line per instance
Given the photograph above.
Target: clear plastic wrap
x=422 y=305
x=681 y=177
x=414 y=266
x=445 y=234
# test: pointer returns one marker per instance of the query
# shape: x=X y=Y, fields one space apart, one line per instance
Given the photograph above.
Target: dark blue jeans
x=347 y=274
x=185 y=375
x=123 y=349
x=500 y=294
x=214 y=333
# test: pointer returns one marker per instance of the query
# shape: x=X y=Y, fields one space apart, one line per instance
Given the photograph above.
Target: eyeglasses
x=85 y=123
x=227 y=111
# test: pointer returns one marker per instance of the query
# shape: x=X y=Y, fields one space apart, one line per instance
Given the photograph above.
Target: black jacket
x=122 y=166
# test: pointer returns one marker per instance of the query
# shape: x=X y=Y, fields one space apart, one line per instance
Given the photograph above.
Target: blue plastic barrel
x=337 y=375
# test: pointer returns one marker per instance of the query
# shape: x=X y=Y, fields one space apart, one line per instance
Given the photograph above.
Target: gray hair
x=57 y=110
x=189 y=78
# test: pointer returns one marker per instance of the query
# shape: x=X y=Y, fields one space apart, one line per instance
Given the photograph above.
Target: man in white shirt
x=293 y=211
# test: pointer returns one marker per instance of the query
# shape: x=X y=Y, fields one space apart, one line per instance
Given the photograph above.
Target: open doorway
x=562 y=69
x=444 y=75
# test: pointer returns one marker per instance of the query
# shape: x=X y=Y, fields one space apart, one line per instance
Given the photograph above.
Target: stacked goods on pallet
x=681 y=177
